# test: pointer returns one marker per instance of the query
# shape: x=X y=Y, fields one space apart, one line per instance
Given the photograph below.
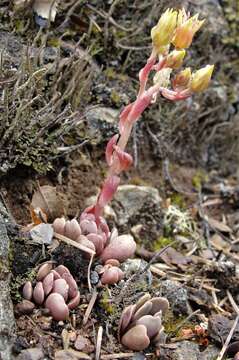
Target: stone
x=177 y=297
x=219 y=327
x=132 y=199
x=102 y=122
x=83 y=344
x=188 y=350
x=132 y=266
x=31 y=354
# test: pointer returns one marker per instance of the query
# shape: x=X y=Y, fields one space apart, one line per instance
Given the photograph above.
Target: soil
x=191 y=162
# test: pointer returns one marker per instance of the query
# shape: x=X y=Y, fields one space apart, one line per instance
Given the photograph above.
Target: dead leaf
x=218 y=241
x=38 y=216
x=171 y=256
x=50 y=201
x=42 y=234
x=218 y=225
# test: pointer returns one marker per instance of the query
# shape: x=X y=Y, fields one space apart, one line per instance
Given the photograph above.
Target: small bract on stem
x=177 y=28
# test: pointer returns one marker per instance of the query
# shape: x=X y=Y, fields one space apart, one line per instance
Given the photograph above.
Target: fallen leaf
x=171 y=256
x=42 y=234
x=50 y=201
x=218 y=225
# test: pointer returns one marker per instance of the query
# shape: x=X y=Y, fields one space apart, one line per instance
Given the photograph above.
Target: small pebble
x=31 y=354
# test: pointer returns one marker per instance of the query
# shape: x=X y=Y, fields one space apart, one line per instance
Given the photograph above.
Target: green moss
x=138 y=181
x=199 y=178
x=55 y=42
x=18 y=282
x=178 y=200
x=171 y=323
x=115 y=97
x=106 y=303
x=110 y=73
x=161 y=242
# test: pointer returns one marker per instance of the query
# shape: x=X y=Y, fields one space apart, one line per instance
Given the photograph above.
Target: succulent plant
x=141 y=323
x=55 y=288
x=110 y=247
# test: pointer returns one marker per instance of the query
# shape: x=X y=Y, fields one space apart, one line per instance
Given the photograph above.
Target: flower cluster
x=177 y=28
x=56 y=288
x=141 y=323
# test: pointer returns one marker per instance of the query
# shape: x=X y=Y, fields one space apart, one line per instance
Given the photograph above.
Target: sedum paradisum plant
x=175 y=29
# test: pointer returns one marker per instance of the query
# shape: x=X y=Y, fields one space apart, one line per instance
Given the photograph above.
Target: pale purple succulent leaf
x=27 y=290
x=61 y=287
x=48 y=283
x=38 y=293
x=110 y=276
x=56 y=274
x=57 y=306
x=59 y=225
x=44 y=271
x=159 y=304
x=61 y=269
x=143 y=310
x=125 y=318
x=73 y=288
x=88 y=226
x=142 y=300
x=98 y=242
x=152 y=324
x=73 y=303
x=120 y=248
x=136 y=338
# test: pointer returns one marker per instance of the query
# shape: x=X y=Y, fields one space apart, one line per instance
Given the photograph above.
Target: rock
x=138 y=356
x=211 y=10
x=219 y=327
x=102 y=122
x=24 y=307
x=130 y=201
x=7 y=321
x=83 y=344
x=177 y=297
x=132 y=266
x=31 y=354
x=188 y=350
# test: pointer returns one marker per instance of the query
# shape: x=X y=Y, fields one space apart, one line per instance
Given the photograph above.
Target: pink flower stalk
x=173 y=28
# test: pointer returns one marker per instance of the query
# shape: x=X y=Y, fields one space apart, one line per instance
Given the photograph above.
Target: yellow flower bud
x=201 y=78
x=182 y=79
x=175 y=59
x=186 y=31
x=163 y=32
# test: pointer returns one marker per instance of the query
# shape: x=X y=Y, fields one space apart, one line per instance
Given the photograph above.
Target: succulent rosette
x=141 y=323
x=56 y=289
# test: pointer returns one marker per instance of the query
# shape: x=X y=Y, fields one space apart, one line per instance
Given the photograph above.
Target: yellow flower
x=186 y=31
x=163 y=32
x=175 y=59
x=201 y=78
x=182 y=79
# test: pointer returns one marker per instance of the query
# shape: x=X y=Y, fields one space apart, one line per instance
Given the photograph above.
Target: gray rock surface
x=188 y=350
x=7 y=322
x=132 y=199
x=31 y=354
x=177 y=296
x=102 y=123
